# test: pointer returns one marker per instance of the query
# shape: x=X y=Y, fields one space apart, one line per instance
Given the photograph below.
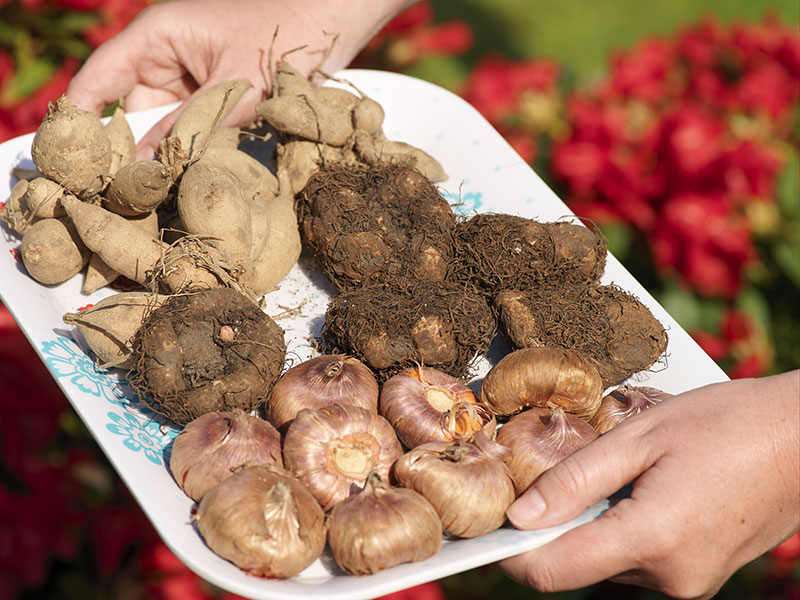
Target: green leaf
x=620 y=238
x=789 y=185
x=690 y=310
x=787 y=256
x=8 y=34
x=29 y=79
x=445 y=71
x=753 y=301
x=74 y=22
x=683 y=306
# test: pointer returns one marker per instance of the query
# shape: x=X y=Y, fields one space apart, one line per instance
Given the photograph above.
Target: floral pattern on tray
x=140 y=429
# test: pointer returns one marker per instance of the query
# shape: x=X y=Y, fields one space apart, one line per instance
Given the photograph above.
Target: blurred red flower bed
x=685 y=155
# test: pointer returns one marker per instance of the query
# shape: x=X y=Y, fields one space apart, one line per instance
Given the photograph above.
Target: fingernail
x=526 y=510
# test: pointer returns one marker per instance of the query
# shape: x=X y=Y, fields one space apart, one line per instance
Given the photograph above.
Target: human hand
x=175 y=50
x=716 y=483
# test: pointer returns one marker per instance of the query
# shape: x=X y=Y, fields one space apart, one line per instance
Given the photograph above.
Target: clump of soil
x=212 y=350
x=371 y=224
x=606 y=325
x=409 y=322
x=495 y=252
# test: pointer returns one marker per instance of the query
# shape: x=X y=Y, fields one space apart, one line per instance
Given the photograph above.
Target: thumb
x=582 y=479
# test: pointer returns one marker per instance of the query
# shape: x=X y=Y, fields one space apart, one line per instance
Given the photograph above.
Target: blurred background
x=673 y=125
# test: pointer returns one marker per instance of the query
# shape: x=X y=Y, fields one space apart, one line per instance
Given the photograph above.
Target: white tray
x=486 y=175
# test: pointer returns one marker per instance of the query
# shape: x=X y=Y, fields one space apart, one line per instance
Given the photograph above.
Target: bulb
x=623 y=403
x=264 y=521
x=214 y=445
x=382 y=526
x=544 y=377
x=427 y=405
x=539 y=438
x=333 y=449
x=467 y=483
x=319 y=382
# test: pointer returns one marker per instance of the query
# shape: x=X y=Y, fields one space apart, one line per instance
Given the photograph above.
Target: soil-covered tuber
x=212 y=350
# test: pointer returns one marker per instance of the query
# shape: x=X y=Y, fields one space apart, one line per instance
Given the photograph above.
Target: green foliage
x=581 y=35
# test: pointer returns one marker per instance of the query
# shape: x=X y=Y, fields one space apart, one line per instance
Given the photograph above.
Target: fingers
x=583 y=556
x=583 y=479
x=106 y=76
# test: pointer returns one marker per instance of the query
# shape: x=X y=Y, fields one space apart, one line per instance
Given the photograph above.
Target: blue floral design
x=146 y=436
x=464 y=203
x=67 y=360
x=149 y=435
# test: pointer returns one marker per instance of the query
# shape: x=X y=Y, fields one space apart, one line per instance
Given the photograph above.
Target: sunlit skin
x=174 y=50
x=716 y=475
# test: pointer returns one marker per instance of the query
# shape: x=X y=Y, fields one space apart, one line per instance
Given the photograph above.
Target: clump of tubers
x=494 y=252
x=609 y=327
x=337 y=118
x=394 y=326
x=212 y=350
x=375 y=224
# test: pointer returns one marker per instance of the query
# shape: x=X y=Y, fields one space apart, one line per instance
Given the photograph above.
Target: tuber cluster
x=200 y=215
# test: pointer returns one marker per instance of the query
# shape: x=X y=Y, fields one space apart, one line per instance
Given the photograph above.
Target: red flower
x=448 y=39
x=496 y=84
x=167 y=578
x=418 y=14
x=114 y=528
x=788 y=53
x=114 y=17
x=752 y=365
x=699 y=44
x=713 y=345
x=522 y=141
x=751 y=170
x=787 y=554
x=693 y=143
x=6 y=67
x=738 y=325
x=33 y=4
x=580 y=163
x=79 y=5
x=767 y=87
x=698 y=237
x=644 y=73
x=426 y=591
